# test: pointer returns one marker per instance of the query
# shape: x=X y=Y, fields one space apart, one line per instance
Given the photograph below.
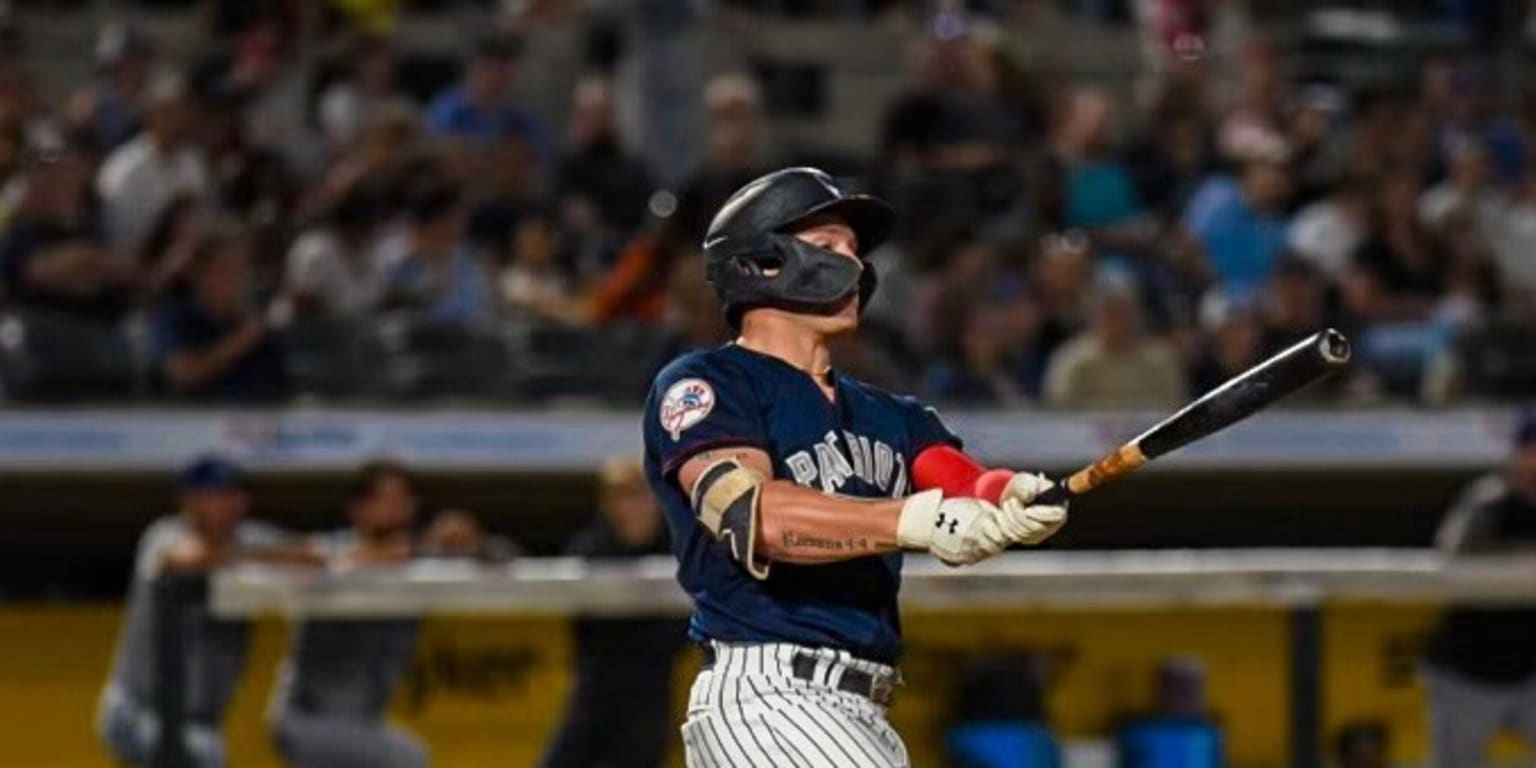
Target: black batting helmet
x=754 y=233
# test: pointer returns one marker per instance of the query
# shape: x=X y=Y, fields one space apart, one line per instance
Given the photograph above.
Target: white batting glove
x=957 y=531
x=1027 y=523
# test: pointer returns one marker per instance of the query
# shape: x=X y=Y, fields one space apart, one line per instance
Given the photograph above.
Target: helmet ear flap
x=869 y=279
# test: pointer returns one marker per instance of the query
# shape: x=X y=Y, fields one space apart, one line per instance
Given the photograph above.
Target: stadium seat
x=49 y=357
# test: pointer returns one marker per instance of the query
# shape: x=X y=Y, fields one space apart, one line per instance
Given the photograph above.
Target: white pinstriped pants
x=750 y=711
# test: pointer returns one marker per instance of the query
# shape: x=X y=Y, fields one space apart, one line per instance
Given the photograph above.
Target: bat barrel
x=1301 y=364
x=1332 y=347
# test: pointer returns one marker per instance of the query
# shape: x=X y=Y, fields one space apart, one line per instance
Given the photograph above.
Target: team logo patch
x=685 y=404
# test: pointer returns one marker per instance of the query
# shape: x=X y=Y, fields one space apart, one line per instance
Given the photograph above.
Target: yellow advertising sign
x=489 y=691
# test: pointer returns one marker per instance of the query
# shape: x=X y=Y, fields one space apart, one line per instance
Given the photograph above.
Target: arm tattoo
x=799 y=541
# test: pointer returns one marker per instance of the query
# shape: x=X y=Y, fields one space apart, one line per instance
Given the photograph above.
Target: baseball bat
x=1305 y=362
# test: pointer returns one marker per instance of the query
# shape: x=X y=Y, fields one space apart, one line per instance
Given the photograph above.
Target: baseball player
x=209 y=530
x=791 y=490
x=330 y=705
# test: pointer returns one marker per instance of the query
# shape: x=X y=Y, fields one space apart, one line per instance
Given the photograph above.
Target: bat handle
x=1056 y=494
x=1125 y=459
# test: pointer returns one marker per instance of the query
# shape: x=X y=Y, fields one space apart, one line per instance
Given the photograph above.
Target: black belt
x=880 y=689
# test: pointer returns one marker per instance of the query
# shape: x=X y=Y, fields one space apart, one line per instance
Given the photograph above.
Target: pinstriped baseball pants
x=750 y=711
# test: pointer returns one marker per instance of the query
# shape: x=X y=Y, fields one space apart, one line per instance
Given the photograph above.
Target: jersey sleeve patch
x=686 y=403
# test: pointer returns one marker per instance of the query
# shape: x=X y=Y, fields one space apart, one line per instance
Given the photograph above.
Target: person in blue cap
x=209 y=529
x=1480 y=670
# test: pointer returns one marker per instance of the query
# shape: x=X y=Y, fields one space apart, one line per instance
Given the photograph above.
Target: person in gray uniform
x=209 y=530
x=331 y=703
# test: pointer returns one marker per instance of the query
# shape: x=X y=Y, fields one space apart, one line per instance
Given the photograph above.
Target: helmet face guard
x=778 y=270
x=754 y=260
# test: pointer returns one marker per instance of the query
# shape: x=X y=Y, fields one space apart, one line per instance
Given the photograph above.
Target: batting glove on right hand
x=957 y=531
x=1028 y=523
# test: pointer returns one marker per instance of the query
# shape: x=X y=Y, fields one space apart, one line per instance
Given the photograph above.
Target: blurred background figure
x=484 y=110
x=111 y=109
x=1362 y=745
x=619 y=714
x=1480 y=670
x=431 y=269
x=1179 y=731
x=53 y=253
x=214 y=343
x=601 y=188
x=362 y=92
x=999 y=719
x=1114 y=363
x=162 y=161
x=331 y=704
x=208 y=531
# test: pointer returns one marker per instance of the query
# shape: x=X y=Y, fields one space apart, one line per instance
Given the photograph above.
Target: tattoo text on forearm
x=800 y=541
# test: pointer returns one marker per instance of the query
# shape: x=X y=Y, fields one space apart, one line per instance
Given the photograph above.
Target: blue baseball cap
x=212 y=473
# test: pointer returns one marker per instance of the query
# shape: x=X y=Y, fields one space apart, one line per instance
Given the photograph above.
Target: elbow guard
x=725 y=499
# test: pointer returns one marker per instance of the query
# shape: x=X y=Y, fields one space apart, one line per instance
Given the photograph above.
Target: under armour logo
x=943 y=518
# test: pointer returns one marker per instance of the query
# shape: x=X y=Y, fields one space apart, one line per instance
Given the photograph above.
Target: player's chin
x=845 y=319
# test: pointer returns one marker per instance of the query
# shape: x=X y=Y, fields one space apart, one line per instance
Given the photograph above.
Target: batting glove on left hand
x=1028 y=523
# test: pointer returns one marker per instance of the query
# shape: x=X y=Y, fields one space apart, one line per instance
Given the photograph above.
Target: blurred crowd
x=165 y=234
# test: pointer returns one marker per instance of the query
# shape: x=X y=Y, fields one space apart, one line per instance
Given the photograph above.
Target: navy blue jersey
x=859 y=444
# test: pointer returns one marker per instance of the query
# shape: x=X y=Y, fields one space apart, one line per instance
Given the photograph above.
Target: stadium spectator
x=330 y=274
x=483 y=109
x=361 y=93
x=1400 y=250
x=1466 y=198
x=945 y=140
x=251 y=183
x=1329 y=231
x=1294 y=304
x=733 y=152
x=162 y=162
x=331 y=702
x=1061 y=282
x=170 y=246
x=948 y=117
x=111 y=109
x=209 y=530
x=693 y=318
x=430 y=268
x=980 y=368
x=1171 y=155
x=1240 y=224
x=534 y=281
x=52 y=254
x=620 y=707
x=213 y=343
x=601 y=189
x=1179 y=731
x=1363 y=745
x=1114 y=362
x=1254 y=123
x=983 y=323
x=1083 y=185
x=1512 y=241
x=1319 y=149
x=1480 y=668
x=1235 y=343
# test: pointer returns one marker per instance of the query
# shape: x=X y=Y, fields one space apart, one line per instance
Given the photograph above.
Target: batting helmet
x=753 y=235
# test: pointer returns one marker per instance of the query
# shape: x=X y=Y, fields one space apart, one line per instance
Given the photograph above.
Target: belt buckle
x=882 y=689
